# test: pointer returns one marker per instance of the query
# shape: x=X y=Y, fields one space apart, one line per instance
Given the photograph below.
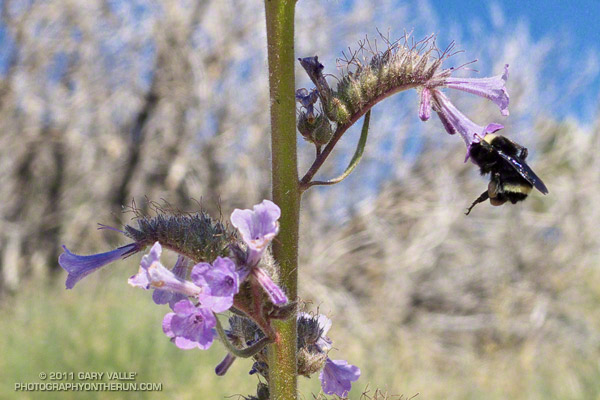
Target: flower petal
x=224 y=365
x=166 y=325
x=153 y=274
x=337 y=375
x=492 y=88
x=324 y=342
x=152 y=256
x=219 y=281
x=190 y=326
x=425 y=104
x=275 y=293
x=455 y=121
x=79 y=266
x=161 y=296
x=258 y=226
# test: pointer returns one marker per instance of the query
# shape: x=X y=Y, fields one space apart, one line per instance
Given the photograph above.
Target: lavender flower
x=161 y=296
x=220 y=282
x=258 y=227
x=308 y=100
x=425 y=105
x=189 y=326
x=275 y=293
x=337 y=377
x=314 y=69
x=492 y=88
x=153 y=274
x=324 y=343
x=79 y=267
x=224 y=365
x=455 y=121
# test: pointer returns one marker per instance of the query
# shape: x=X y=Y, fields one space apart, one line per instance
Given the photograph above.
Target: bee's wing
x=526 y=172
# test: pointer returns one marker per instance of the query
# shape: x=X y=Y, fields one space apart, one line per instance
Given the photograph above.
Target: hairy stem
x=286 y=193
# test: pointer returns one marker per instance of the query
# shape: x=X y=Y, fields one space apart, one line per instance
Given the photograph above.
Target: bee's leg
x=484 y=196
x=497 y=197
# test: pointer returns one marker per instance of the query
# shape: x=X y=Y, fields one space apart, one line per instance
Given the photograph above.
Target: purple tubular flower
x=337 y=375
x=275 y=293
x=492 y=88
x=161 y=296
x=79 y=267
x=258 y=227
x=455 y=121
x=425 y=106
x=308 y=100
x=224 y=365
x=324 y=343
x=302 y=97
x=220 y=282
x=152 y=274
x=189 y=326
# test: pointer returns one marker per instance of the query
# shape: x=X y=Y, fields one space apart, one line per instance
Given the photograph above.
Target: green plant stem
x=286 y=193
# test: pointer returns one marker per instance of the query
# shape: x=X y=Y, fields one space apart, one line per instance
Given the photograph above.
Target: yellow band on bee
x=489 y=137
x=517 y=188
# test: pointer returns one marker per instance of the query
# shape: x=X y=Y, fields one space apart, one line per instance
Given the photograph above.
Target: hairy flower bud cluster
x=317 y=131
x=262 y=393
x=314 y=127
x=370 y=76
x=312 y=352
x=195 y=236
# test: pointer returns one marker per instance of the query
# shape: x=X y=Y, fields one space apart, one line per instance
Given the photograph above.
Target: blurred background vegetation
x=106 y=102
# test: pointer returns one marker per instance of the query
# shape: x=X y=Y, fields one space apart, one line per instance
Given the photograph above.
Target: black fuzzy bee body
x=511 y=179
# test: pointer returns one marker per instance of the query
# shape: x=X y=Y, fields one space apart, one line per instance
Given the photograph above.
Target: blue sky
x=574 y=23
x=579 y=18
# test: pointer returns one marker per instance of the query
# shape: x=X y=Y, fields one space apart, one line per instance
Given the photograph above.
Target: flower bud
x=323 y=133
x=262 y=391
x=306 y=127
x=337 y=111
x=196 y=236
x=310 y=362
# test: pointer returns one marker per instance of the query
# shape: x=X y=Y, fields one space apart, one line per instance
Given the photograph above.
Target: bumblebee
x=511 y=179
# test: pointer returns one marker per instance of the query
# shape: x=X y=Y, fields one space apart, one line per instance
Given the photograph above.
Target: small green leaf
x=242 y=353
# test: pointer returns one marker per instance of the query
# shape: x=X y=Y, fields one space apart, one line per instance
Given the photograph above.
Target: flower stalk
x=280 y=46
x=305 y=182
